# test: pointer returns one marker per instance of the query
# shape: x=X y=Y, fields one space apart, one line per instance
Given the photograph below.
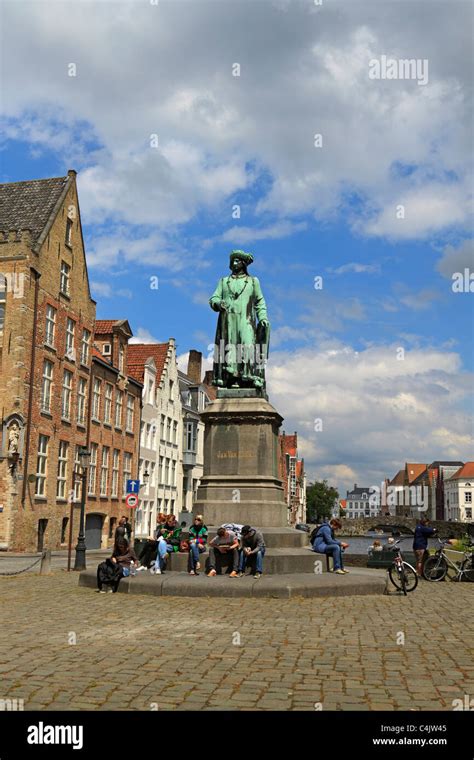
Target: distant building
x=113 y=432
x=159 y=465
x=433 y=479
x=458 y=490
x=293 y=476
x=195 y=395
x=359 y=503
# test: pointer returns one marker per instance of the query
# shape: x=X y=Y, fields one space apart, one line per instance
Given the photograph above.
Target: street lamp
x=80 y=561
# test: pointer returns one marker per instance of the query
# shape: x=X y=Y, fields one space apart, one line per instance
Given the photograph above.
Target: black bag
x=109 y=572
x=314 y=533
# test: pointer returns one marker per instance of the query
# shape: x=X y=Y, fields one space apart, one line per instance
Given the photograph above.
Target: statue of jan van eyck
x=243 y=330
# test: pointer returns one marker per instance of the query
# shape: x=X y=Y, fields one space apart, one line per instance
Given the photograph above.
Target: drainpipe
x=37 y=276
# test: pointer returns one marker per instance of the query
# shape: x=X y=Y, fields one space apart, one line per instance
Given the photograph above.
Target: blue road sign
x=133 y=486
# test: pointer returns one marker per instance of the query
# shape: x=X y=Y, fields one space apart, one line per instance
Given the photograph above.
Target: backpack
x=314 y=532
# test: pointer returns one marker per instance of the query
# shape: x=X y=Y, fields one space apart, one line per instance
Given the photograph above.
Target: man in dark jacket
x=253 y=547
x=420 y=542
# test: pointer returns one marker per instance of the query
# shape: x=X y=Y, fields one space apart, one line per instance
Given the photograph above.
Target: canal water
x=360 y=544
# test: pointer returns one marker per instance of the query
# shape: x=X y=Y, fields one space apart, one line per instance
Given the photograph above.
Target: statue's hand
x=223 y=306
x=264 y=322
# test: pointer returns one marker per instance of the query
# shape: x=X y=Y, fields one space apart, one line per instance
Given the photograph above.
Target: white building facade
x=458 y=491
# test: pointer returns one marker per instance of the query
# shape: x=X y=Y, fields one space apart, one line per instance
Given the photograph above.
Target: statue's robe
x=241 y=347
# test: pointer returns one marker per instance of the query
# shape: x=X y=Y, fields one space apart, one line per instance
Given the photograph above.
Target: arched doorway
x=94 y=531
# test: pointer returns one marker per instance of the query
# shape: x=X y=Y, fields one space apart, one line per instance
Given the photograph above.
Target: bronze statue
x=243 y=329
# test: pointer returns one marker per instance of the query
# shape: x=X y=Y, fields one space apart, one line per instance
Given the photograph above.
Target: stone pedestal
x=240 y=481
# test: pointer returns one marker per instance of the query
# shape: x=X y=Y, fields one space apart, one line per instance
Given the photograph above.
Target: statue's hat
x=247 y=258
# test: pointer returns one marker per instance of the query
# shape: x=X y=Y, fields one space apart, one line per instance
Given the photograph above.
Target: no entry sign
x=131 y=500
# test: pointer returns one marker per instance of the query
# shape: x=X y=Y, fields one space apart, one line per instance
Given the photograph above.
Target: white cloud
x=106 y=290
x=142 y=335
x=158 y=70
x=356 y=268
x=456 y=259
x=377 y=411
x=243 y=235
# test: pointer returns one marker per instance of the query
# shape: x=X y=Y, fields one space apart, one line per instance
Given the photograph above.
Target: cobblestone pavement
x=143 y=653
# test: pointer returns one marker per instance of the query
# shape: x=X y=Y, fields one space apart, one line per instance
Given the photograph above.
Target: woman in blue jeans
x=325 y=542
x=197 y=544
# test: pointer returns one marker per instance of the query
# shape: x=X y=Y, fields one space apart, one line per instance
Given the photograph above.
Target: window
x=175 y=432
x=96 y=399
x=93 y=469
x=85 y=346
x=81 y=401
x=127 y=470
x=3 y=300
x=142 y=434
x=104 y=470
x=167 y=471
x=468 y=497
x=121 y=357
x=115 y=472
x=147 y=469
x=150 y=391
x=70 y=328
x=171 y=390
x=201 y=401
x=168 y=429
x=130 y=411
x=62 y=469
x=64 y=284
x=153 y=437
x=50 y=325
x=162 y=427
x=190 y=437
x=161 y=473
x=108 y=403
x=66 y=395
x=173 y=472
x=46 y=386
x=147 y=440
x=41 y=465
x=118 y=408
x=69 y=232
x=152 y=475
x=468 y=513
x=77 y=469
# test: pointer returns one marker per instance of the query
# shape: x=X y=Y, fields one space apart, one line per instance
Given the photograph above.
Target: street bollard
x=45 y=567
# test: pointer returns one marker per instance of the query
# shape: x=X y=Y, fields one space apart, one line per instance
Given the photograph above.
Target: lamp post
x=80 y=561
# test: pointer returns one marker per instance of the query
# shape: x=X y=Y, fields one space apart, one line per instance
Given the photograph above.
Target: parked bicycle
x=437 y=566
x=401 y=573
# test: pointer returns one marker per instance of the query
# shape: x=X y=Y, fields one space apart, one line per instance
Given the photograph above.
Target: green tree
x=320 y=498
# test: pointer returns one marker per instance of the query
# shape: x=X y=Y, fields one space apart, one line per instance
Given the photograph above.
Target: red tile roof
x=466 y=471
x=399 y=479
x=139 y=353
x=105 y=326
x=413 y=470
x=288 y=444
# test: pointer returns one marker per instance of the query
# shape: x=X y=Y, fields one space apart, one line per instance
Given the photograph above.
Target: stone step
x=277 y=537
x=359 y=582
x=287 y=560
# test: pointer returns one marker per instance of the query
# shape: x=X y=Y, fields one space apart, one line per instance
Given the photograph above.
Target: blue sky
x=166 y=141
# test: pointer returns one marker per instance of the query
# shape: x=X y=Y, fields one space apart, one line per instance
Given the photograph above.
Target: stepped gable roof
x=139 y=353
x=466 y=471
x=28 y=205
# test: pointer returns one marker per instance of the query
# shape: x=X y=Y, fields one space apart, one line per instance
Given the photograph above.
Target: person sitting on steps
x=253 y=546
x=223 y=544
x=197 y=544
x=325 y=542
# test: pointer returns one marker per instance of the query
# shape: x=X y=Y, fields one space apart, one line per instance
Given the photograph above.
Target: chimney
x=195 y=366
x=355 y=486
x=72 y=173
x=208 y=377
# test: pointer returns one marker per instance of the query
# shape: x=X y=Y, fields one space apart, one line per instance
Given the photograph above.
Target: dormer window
x=64 y=285
x=69 y=232
x=107 y=349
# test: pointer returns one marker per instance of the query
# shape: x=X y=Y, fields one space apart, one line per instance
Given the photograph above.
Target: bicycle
x=437 y=566
x=401 y=573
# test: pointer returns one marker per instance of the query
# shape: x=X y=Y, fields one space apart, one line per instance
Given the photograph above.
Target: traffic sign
x=131 y=500
x=133 y=486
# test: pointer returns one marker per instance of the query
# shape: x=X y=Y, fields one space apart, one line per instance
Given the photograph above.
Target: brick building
x=293 y=476
x=46 y=326
x=113 y=432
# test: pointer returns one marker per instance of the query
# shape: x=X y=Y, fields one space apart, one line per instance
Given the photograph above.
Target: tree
x=320 y=499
